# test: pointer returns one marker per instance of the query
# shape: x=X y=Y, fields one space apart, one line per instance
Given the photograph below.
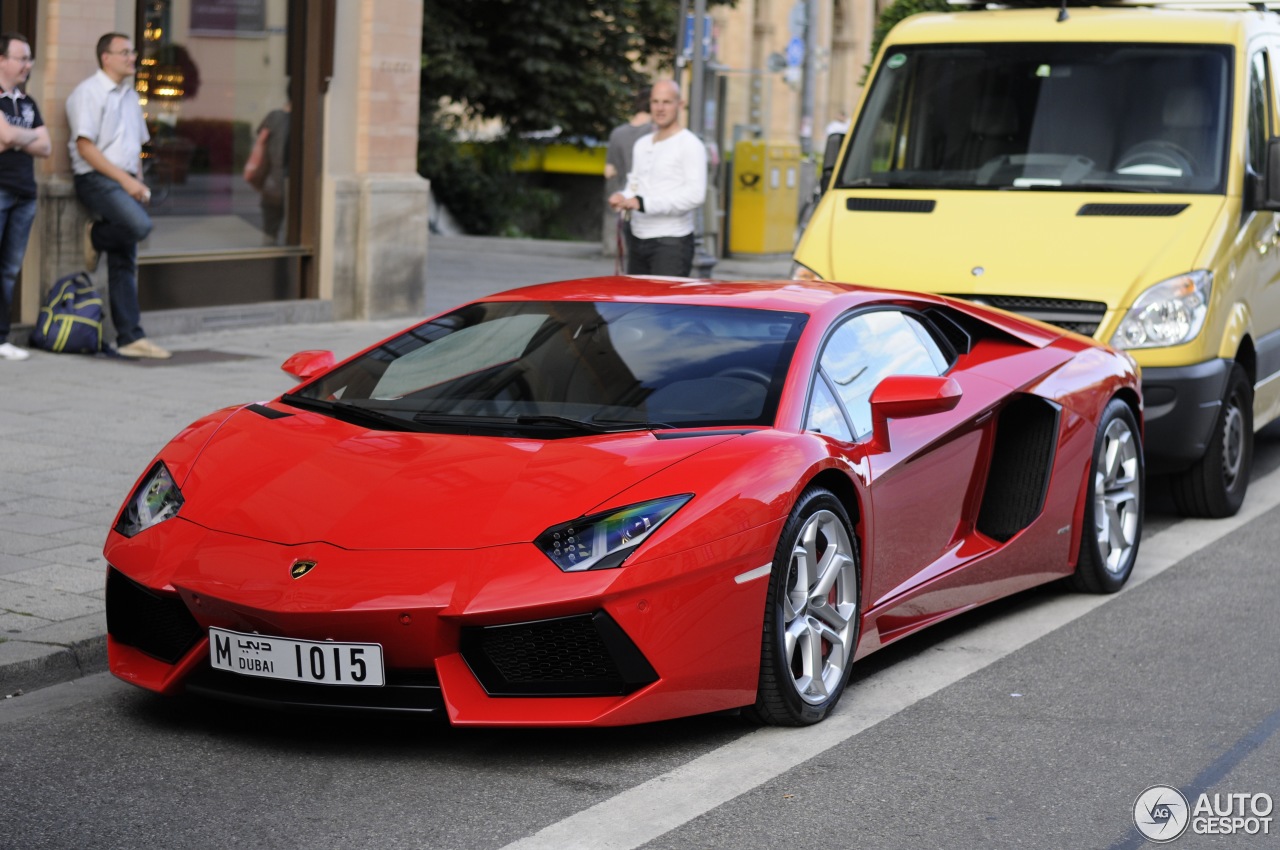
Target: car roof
x=798 y=296
x=821 y=299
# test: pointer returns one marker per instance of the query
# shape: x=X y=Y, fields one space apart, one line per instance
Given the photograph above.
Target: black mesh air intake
x=160 y=626
x=1129 y=210
x=1021 y=461
x=893 y=205
x=583 y=655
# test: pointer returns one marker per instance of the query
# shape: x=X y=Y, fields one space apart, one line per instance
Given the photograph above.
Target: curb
x=52 y=666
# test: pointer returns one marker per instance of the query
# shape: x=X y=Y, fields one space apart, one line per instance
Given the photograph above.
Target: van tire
x=1215 y=485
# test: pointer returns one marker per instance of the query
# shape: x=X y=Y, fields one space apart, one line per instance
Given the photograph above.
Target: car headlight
x=799 y=271
x=156 y=500
x=1170 y=313
x=603 y=541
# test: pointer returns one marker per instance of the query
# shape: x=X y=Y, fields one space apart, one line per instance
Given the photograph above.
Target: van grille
x=1082 y=317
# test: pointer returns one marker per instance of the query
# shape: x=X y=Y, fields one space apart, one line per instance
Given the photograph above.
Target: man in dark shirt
x=22 y=136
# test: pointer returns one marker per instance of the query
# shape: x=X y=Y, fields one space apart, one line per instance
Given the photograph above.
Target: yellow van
x=1113 y=170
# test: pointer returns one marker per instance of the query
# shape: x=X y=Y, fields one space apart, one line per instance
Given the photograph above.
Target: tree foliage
x=897 y=11
x=538 y=64
x=534 y=65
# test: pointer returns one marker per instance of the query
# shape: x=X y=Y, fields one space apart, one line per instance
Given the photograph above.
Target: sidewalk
x=76 y=432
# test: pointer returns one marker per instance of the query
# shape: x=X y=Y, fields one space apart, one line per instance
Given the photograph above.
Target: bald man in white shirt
x=667 y=183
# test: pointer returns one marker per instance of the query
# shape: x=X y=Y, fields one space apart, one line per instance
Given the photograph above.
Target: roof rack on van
x=1201 y=5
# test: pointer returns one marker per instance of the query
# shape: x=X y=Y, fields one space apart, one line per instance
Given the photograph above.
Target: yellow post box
x=766 y=197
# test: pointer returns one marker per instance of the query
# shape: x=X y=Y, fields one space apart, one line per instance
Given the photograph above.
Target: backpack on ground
x=71 y=317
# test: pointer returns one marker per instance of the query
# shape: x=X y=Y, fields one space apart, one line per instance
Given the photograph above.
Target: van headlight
x=1170 y=313
x=799 y=271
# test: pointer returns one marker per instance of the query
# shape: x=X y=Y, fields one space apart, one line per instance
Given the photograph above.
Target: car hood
x=1023 y=243
x=304 y=477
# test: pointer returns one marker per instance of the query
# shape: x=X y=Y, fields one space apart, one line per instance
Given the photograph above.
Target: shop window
x=212 y=75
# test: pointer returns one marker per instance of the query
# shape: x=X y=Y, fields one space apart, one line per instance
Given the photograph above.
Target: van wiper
x=1079 y=187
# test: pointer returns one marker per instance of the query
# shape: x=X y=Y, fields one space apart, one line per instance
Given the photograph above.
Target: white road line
x=661 y=804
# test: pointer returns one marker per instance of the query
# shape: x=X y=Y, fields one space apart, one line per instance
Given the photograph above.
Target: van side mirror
x=829 y=156
x=1267 y=188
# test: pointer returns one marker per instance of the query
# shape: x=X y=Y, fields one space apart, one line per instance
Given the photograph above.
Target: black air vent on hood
x=1151 y=210
x=268 y=412
x=902 y=205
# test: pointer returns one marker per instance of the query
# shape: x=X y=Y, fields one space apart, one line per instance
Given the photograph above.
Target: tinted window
x=608 y=364
x=1044 y=116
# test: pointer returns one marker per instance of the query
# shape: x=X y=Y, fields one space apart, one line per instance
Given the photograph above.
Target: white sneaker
x=9 y=351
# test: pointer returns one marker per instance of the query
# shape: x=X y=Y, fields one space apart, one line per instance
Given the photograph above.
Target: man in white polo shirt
x=107 y=135
x=668 y=181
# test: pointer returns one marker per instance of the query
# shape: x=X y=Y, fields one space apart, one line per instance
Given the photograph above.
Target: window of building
x=214 y=78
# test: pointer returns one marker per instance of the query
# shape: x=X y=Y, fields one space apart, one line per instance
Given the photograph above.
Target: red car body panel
x=417 y=537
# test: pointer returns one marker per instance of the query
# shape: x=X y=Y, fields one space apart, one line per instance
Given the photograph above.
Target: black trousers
x=662 y=255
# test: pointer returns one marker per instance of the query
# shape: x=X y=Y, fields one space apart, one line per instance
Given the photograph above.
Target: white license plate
x=319 y=662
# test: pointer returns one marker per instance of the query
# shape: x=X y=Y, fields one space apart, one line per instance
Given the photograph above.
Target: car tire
x=811 y=624
x=1113 y=510
x=1215 y=485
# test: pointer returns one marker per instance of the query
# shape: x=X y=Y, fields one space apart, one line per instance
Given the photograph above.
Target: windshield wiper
x=352 y=413
x=1077 y=187
x=538 y=420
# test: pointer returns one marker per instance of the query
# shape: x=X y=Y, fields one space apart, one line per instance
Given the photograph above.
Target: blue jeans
x=121 y=223
x=16 y=215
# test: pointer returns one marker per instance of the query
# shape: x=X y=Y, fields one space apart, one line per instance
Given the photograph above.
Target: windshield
x=562 y=368
x=1069 y=116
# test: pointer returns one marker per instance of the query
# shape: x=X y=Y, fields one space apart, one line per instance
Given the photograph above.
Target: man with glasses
x=22 y=136
x=107 y=134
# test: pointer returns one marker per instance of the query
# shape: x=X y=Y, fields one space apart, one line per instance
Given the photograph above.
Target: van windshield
x=1066 y=116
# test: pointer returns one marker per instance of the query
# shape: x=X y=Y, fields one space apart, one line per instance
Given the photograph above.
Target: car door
x=922 y=486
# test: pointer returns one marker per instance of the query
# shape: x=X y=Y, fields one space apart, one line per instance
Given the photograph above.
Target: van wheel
x=1113 y=513
x=1216 y=484
x=811 y=615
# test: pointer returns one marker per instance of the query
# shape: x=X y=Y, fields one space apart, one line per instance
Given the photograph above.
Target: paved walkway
x=76 y=432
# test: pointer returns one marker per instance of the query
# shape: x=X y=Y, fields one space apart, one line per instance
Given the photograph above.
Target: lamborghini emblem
x=301 y=568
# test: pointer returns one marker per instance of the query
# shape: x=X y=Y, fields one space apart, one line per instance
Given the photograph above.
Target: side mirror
x=307 y=364
x=1267 y=194
x=902 y=396
x=829 y=156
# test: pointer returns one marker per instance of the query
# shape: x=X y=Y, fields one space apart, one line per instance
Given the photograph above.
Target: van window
x=1069 y=116
x=1259 y=118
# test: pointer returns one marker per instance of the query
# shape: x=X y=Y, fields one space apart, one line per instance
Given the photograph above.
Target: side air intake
x=1021 y=462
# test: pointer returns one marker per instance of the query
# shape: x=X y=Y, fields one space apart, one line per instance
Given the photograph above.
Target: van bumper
x=1180 y=408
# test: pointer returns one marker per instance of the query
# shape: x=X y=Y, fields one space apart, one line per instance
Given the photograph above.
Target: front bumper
x=489 y=637
x=1181 y=406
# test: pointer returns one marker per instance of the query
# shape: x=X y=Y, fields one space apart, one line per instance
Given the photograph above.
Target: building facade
x=338 y=231
x=762 y=70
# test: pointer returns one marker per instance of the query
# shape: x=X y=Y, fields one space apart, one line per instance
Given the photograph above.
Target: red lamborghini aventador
x=619 y=500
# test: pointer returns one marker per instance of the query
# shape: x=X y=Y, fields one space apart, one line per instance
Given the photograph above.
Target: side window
x=868 y=348
x=825 y=415
x=1259 y=115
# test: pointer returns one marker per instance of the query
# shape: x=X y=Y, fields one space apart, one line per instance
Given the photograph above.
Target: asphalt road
x=1033 y=723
